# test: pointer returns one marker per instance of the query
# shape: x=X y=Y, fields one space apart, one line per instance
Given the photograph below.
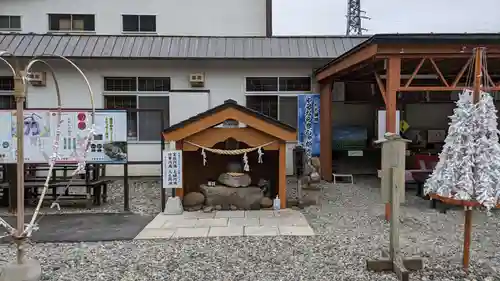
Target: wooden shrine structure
x=246 y=127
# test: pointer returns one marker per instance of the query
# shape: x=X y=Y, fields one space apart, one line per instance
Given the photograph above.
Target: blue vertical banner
x=308 y=128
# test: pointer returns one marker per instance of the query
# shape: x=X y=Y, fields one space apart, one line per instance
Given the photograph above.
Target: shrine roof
x=230 y=109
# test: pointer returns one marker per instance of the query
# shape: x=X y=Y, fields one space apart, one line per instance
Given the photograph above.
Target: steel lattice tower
x=354 y=17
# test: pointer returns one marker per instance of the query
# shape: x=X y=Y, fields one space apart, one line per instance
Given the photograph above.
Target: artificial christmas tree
x=453 y=175
x=487 y=153
x=469 y=165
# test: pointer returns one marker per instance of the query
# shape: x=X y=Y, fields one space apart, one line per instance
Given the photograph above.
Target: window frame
x=139 y=24
x=278 y=84
x=71 y=30
x=10 y=94
x=278 y=93
x=10 y=28
x=137 y=94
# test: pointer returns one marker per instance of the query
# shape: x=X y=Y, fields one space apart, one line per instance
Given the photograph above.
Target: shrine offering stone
x=316 y=163
x=315 y=177
x=266 y=202
x=193 y=199
x=235 y=180
x=248 y=198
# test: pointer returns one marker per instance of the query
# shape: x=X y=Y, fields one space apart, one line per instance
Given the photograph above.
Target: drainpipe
x=269 y=18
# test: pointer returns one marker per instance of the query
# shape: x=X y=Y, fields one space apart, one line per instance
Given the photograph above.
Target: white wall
x=173 y=17
x=224 y=79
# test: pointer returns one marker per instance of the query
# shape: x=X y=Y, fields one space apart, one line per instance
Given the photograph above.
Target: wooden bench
x=96 y=185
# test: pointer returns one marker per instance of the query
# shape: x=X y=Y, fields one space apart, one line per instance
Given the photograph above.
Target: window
x=153 y=84
x=10 y=22
x=282 y=108
x=144 y=98
x=262 y=84
x=278 y=84
x=139 y=23
x=67 y=22
x=294 y=84
x=7 y=100
x=7 y=83
x=276 y=96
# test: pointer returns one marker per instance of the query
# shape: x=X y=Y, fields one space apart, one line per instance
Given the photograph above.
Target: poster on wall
x=40 y=126
x=308 y=127
x=172 y=168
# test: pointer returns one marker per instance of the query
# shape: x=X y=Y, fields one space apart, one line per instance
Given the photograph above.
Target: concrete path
x=86 y=227
x=227 y=223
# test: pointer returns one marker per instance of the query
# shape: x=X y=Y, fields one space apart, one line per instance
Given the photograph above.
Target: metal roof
x=177 y=47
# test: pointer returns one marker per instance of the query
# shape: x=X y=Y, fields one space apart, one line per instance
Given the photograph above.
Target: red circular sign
x=82 y=125
x=81 y=117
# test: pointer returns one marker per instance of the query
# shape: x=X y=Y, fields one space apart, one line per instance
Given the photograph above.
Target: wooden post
x=180 y=191
x=282 y=175
x=393 y=149
x=478 y=56
x=325 y=111
x=393 y=82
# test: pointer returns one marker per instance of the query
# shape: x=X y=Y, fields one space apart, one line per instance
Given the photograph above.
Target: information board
x=172 y=168
x=108 y=146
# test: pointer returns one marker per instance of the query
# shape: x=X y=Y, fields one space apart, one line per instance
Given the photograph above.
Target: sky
x=327 y=17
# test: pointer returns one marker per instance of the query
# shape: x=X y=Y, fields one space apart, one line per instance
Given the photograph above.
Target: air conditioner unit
x=36 y=78
x=197 y=79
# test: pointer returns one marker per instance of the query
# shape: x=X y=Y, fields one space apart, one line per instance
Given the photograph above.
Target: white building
x=145 y=55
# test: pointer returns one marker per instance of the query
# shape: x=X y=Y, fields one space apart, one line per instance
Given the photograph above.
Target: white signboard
x=172 y=168
x=355 y=153
x=381 y=124
x=40 y=126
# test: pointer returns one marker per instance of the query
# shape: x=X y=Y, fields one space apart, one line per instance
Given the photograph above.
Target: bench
x=96 y=185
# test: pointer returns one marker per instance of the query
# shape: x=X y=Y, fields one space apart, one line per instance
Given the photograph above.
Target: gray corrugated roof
x=173 y=47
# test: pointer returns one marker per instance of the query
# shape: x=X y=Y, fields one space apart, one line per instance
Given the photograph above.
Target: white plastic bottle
x=276 y=203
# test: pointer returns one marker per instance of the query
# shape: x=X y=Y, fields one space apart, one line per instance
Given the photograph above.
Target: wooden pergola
x=394 y=62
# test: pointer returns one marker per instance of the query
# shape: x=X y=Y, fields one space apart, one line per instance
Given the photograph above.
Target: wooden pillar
x=282 y=175
x=325 y=120
x=180 y=191
x=393 y=82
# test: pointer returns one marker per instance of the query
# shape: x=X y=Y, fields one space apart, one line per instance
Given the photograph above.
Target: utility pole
x=354 y=17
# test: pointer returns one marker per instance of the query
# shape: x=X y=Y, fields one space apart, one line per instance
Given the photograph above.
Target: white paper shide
x=469 y=165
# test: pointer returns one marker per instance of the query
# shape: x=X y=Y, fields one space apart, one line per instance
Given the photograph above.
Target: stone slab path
x=227 y=223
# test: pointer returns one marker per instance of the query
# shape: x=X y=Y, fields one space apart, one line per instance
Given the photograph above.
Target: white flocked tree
x=469 y=164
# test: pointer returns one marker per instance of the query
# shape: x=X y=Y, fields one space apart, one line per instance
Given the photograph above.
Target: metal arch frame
x=38 y=59
x=21 y=232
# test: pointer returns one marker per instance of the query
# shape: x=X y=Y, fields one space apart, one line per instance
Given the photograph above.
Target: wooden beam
x=434 y=50
x=380 y=85
x=346 y=62
x=282 y=175
x=212 y=136
x=438 y=71
x=393 y=82
x=415 y=72
x=325 y=119
x=461 y=73
x=441 y=88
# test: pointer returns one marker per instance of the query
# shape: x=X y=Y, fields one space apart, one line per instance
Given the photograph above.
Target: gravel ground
x=144 y=199
x=349 y=226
